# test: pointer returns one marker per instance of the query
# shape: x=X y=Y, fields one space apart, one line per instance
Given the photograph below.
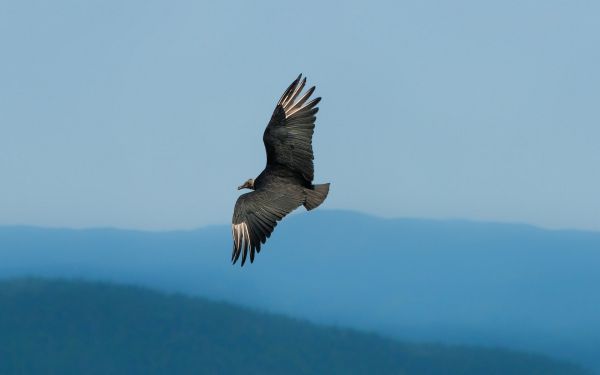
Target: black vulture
x=286 y=181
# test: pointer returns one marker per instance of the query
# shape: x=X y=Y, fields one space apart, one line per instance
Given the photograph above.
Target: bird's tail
x=316 y=196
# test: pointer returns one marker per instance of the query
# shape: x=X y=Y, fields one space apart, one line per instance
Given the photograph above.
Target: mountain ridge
x=456 y=282
x=58 y=326
x=322 y=211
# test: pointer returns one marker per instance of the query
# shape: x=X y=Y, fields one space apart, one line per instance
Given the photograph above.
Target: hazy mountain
x=57 y=327
x=462 y=282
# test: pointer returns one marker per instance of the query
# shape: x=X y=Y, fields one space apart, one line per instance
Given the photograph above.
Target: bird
x=286 y=182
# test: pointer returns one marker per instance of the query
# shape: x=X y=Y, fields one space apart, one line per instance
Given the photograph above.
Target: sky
x=148 y=114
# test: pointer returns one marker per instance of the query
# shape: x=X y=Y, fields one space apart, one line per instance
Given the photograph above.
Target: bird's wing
x=288 y=136
x=256 y=214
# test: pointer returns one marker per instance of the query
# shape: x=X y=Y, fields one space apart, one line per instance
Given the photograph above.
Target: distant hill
x=59 y=327
x=455 y=282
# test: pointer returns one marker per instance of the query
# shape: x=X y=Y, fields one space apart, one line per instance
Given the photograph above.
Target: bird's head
x=249 y=184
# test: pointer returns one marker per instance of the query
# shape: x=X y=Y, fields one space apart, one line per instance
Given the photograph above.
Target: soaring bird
x=287 y=180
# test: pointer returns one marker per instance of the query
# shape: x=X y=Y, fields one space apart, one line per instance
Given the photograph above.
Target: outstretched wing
x=256 y=214
x=288 y=136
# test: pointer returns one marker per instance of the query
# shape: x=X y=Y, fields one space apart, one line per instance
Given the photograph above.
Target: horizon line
x=297 y=214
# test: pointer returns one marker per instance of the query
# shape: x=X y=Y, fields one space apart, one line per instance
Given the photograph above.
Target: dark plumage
x=286 y=181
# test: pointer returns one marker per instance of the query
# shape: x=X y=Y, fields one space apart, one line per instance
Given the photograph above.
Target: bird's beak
x=240 y=187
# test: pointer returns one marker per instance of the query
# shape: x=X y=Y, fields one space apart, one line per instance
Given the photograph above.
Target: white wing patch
x=294 y=107
x=241 y=236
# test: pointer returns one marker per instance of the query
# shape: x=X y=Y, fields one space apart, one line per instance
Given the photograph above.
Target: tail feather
x=316 y=196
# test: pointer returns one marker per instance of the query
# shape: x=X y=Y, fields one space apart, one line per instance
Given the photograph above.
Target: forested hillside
x=69 y=327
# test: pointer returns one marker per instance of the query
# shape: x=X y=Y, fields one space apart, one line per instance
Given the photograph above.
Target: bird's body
x=286 y=181
x=279 y=175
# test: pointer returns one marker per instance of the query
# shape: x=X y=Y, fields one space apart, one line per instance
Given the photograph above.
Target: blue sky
x=148 y=114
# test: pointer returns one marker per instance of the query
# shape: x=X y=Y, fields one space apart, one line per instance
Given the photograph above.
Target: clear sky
x=148 y=114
